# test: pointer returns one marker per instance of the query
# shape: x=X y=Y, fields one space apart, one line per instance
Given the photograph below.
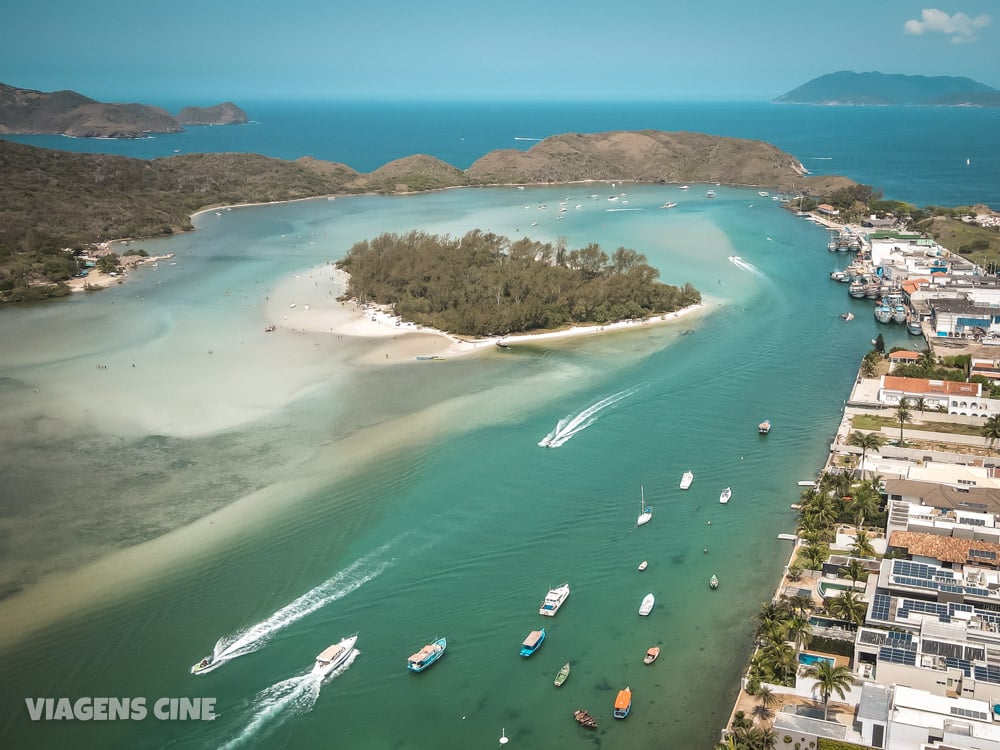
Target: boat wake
x=283 y=700
x=525 y=138
x=569 y=426
x=255 y=637
x=613 y=210
x=740 y=263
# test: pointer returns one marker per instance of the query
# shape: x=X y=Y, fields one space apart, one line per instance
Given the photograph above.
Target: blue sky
x=717 y=50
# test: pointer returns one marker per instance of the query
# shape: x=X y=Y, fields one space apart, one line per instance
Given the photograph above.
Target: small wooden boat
x=651 y=655
x=562 y=675
x=643 y=565
x=647 y=604
x=584 y=719
x=713 y=582
x=764 y=427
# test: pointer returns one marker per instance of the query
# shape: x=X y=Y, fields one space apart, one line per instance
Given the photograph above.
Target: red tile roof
x=943 y=548
x=937 y=387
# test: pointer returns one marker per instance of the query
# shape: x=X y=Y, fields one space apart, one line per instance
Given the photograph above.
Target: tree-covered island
x=484 y=284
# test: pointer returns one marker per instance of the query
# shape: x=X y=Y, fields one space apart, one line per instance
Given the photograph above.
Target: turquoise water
x=810 y=659
x=410 y=502
x=917 y=154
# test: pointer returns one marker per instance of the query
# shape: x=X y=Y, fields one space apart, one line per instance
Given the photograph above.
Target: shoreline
x=306 y=302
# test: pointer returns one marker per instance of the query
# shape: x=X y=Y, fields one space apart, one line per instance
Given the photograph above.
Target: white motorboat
x=647 y=604
x=686 y=480
x=726 y=494
x=554 y=600
x=334 y=656
x=645 y=512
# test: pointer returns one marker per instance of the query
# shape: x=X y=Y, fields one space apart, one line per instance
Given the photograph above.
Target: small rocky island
x=29 y=112
x=847 y=88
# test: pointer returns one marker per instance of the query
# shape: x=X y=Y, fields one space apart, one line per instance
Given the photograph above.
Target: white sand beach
x=308 y=302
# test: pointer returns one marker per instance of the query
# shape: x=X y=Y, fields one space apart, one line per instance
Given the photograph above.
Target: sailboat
x=645 y=512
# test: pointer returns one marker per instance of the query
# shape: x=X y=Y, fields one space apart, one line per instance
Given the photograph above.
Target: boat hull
x=326 y=666
x=427 y=656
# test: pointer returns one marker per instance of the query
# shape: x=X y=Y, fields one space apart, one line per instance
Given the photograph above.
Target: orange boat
x=623 y=703
x=651 y=655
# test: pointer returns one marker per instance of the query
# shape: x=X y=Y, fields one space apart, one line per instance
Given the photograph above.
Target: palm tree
x=865 y=441
x=903 y=415
x=866 y=503
x=798 y=631
x=854 y=570
x=814 y=555
x=862 y=546
x=760 y=712
x=991 y=431
x=927 y=359
x=829 y=680
x=849 y=606
x=921 y=403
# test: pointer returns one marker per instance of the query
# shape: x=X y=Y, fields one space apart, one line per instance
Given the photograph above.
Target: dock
x=787 y=537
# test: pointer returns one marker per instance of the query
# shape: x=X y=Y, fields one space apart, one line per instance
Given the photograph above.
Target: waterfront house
x=903 y=717
x=988 y=368
x=936 y=393
x=902 y=357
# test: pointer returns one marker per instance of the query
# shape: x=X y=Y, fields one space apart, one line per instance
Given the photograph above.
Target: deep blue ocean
x=177 y=481
x=916 y=154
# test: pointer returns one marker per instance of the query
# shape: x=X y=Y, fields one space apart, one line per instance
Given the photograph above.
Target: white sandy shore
x=307 y=302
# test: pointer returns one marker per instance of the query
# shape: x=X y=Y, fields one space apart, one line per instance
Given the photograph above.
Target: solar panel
x=987 y=673
x=880 y=607
x=908 y=568
x=897 y=656
x=962 y=664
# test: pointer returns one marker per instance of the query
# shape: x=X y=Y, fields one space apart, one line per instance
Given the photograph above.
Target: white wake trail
x=253 y=638
x=740 y=263
x=292 y=697
x=569 y=426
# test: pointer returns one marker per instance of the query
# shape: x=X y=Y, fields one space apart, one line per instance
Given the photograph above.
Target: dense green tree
x=848 y=607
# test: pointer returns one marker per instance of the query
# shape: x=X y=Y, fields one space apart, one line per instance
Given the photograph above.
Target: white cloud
x=961 y=28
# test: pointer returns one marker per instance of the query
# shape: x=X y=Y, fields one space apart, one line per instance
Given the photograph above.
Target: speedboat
x=647 y=604
x=334 y=656
x=652 y=655
x=726 y=494
x=669 y=204
x=554 y=600
x=713 y=582
x=686 y=480
x=710 y=194
x=205 y=665
x=643 y=565
x=623 y=703
x=532 y=642
x=426 y=656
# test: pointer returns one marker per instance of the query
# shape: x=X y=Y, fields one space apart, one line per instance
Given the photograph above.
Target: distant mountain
x=849 y=88
x=26 y=111
x=226 y=113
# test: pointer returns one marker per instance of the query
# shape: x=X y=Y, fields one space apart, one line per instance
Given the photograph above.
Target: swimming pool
x=810 y=659
x=828 y=622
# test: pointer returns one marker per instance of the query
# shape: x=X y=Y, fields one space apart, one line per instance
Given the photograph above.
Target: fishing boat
x=426 y=656
x=710 y=194
x=554 y=600
x=532 y=642
x=713 y=582
x=647 y=604
x=764 y=427
x=584 y=719
x=562 y=674
x=645 y=512
x=726 y=494
x=652 y=655
x=686 y=480
x=333 y=656
x=913 y=327
x=643 y=565
x=623 y=703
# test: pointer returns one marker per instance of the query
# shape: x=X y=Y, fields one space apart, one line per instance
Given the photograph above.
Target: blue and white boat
x=426 y=656
x=532 y=642
x=554 y=600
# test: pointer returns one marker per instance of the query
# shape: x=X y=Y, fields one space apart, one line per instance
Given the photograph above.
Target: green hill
x=849 y=88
